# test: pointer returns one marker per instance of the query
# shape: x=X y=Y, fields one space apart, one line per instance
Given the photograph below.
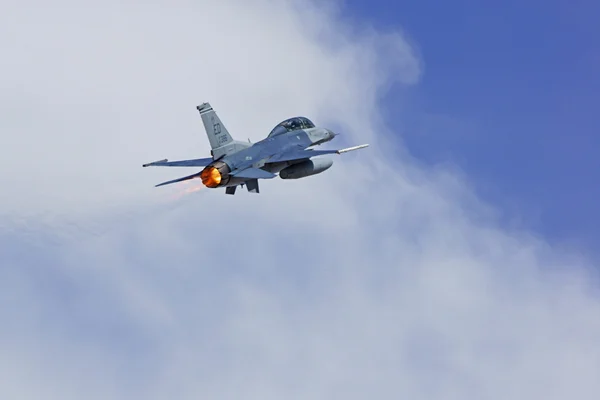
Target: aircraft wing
x=185 y=178
x=304 y=154
x=199 y=162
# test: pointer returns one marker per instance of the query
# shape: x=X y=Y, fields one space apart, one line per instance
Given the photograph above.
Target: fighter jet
x=287 y=151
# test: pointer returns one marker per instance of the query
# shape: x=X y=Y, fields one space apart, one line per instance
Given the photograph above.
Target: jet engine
x=306 y=168
x=215 y=174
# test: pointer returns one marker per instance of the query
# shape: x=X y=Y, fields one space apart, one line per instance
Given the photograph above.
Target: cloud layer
x=377 y=278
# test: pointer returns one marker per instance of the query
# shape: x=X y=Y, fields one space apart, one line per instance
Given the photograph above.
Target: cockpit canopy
x=292 y=124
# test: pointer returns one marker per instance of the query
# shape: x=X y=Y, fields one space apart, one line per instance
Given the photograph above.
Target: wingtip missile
x=362 y=146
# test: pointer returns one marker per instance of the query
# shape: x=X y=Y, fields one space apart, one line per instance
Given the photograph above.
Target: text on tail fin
x=215 y=130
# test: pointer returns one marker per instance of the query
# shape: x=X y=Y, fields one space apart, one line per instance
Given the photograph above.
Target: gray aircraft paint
x=240 y=163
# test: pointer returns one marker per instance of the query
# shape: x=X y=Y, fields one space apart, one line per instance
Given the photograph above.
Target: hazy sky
x=385 y=277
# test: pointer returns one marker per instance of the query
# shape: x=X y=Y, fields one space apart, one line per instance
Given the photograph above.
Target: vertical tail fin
x=218 y=135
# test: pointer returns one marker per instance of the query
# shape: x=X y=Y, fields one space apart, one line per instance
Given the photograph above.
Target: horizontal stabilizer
x=185 y=178
x=253 y=173
x=199 y=162
x=305 y=154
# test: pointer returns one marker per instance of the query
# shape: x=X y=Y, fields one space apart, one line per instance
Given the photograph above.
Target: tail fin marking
x=218 y=135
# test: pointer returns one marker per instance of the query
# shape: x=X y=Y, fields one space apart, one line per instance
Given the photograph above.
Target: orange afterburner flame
x=211 y=177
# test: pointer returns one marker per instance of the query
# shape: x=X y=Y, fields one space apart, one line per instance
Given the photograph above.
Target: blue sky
x=515 y=88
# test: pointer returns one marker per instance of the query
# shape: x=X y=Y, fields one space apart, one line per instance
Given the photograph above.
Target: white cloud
x=377 y=278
